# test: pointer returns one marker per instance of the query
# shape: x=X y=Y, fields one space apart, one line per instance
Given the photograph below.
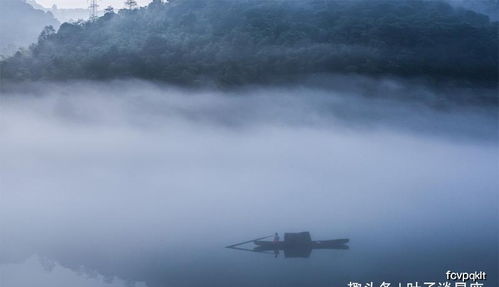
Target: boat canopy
x=297 y=238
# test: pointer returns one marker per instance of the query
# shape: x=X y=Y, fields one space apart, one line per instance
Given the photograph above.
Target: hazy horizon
x=72 y=4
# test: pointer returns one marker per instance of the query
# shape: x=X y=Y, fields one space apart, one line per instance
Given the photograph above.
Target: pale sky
x=84 y=3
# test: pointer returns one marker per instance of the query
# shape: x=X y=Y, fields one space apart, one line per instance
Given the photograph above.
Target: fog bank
x=147 y=183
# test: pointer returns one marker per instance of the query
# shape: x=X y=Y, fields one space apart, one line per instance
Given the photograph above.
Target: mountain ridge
x=20 y=25
x=244 y=42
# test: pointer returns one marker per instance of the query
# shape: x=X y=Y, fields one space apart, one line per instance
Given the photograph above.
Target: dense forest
x=258 y=41
x=20 y=25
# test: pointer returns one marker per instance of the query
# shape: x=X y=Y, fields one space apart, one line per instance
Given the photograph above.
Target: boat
x=294 y=244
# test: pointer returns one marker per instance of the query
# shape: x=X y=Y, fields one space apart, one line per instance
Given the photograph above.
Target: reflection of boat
x=313 y=244
x=293 y=245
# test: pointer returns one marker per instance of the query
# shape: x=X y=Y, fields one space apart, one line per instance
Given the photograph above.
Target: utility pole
x=2 y=59
x=92 y=8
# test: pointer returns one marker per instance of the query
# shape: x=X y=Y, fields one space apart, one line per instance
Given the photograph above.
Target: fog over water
x=129 y=182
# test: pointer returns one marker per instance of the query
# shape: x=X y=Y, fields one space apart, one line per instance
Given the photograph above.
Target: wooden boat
x=294 y=245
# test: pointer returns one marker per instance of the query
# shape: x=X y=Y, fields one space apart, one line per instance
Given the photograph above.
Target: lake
x=137 y=184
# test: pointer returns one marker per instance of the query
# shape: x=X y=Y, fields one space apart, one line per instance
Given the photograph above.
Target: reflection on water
x=153 y=200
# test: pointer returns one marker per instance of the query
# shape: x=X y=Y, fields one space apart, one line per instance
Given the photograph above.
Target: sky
x=84 y=3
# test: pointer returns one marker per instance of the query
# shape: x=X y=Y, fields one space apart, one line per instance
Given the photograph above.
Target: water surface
x=145 y=185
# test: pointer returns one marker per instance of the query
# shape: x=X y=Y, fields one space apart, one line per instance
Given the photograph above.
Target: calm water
x=147 y=189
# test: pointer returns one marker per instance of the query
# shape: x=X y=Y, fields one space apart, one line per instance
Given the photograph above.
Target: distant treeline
x=235 y=42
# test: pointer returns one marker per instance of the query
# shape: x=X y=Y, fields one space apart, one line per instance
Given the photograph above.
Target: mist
x=129 y=182
x=20 y=25
x=487 y=7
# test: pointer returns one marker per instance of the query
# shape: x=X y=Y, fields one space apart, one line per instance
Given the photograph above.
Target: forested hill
x=253 y=41
x=20 y=25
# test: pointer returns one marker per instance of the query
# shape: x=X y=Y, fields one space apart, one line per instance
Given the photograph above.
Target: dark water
x=133 y=198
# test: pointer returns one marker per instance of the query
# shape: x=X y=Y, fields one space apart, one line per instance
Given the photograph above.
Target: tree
x=131 y=4
x=46 y=33
x=156 y=3
x=109 y=9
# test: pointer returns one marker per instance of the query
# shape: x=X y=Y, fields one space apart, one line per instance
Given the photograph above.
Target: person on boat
x=276 y=249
